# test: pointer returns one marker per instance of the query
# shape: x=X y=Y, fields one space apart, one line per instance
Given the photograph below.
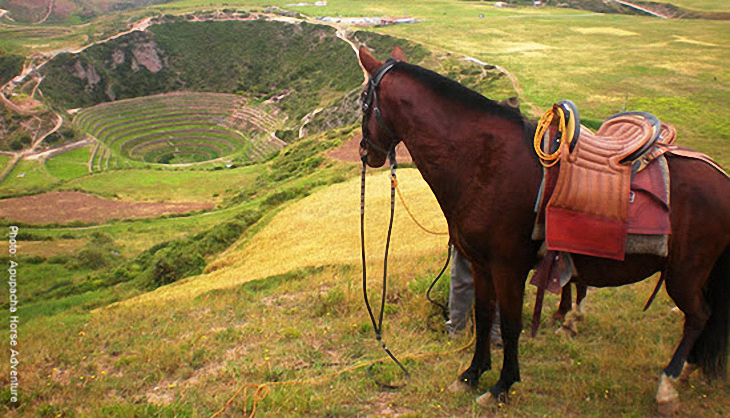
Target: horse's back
x=700 y=200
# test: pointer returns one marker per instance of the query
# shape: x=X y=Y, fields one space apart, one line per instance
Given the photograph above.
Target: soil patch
x=65 y=207
x=350 y=151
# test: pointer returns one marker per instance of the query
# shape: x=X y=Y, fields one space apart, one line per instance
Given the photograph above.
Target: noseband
x=370 y=103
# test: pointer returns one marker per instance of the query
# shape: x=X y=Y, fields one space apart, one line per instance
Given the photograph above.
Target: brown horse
x=477 y=157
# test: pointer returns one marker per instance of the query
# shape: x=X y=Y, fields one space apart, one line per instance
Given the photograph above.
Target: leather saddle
x=589 y=191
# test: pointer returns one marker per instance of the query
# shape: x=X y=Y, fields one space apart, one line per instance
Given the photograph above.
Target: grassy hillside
x=68 y=11
x=170 y=316
x=701 y=5
x=305 y=331
x=300 y=61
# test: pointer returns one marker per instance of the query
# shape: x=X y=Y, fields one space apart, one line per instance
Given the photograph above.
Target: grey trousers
x=461 y=298
x=461 y=294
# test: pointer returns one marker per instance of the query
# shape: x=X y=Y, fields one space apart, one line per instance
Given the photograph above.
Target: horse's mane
x=455 y=91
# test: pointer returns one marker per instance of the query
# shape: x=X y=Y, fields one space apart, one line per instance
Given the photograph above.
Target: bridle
x=370 y=105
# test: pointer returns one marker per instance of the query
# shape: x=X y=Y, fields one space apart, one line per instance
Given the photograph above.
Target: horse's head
x=378 y=138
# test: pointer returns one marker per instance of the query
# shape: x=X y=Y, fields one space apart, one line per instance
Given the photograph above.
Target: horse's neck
x=465 y=155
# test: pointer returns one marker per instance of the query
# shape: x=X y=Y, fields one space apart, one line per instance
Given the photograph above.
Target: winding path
x=51 y=3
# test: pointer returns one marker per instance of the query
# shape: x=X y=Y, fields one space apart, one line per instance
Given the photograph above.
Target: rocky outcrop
x=145 y=54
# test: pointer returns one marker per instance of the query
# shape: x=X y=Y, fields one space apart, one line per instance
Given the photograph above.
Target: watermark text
x=14 y=318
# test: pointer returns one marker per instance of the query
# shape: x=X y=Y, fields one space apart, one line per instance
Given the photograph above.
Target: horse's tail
x=710 y=351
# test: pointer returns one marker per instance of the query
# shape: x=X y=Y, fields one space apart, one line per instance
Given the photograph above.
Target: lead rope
x=444 y=308
x=378 y=325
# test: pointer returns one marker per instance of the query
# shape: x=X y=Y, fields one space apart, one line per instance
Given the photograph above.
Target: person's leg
x=461 y=294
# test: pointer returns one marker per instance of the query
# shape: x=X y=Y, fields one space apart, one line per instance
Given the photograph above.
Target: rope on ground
x=413 y=217
x=263 y=389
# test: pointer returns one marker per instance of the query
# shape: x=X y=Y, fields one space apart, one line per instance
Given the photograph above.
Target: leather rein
x=370 y=104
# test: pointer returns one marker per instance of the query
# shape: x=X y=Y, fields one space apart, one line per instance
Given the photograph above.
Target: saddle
x=587 y=190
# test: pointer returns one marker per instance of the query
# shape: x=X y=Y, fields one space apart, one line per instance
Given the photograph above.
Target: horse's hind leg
x=574 y=314
x=565 y=304
x=684 y=285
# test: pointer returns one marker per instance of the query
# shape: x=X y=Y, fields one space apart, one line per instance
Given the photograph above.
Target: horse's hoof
x=487 y=400
x=667 y=398
x=559 y=317
x=668 y=408
x=459 y=386
x=567 y=331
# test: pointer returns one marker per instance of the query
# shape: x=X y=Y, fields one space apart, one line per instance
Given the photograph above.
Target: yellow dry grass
x=691 y=41
x=323 y=229
x=604 y=31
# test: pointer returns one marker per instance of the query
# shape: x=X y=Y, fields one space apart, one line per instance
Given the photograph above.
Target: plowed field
x=65 y=207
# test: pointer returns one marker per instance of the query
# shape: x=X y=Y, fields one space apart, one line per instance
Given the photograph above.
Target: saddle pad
x=649 y=200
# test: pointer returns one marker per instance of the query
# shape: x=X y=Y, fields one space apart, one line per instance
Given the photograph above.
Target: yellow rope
x=263 y=389
x=395 y=182
x=547 y=159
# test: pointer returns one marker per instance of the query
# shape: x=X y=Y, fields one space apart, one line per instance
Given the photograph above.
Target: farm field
x=172 y=314
x=168 y=185
x=67 y=207
x=177 y=129
x=69 y=165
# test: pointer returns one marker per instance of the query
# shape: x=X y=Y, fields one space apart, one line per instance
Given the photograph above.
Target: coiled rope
x=565 y=135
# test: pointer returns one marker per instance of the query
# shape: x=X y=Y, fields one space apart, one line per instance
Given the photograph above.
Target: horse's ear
x=513 y=102
x=368 y=61
x=398 y=53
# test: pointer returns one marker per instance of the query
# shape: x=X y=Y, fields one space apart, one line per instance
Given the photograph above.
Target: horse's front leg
x=510 y=288
x=484 y=307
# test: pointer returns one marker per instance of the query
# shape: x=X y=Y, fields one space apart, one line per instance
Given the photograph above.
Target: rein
x=370 y=103
x=378 y=324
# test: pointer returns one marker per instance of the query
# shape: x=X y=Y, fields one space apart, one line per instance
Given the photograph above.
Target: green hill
x=259 y=59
